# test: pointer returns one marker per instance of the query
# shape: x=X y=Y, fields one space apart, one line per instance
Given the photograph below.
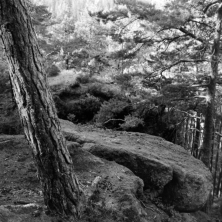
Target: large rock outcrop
x=165 y=168
x=112 y=189
x=113 y=192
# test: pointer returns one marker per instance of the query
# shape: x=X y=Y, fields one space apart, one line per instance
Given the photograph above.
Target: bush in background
x=112 y=112
x=102 y=91
x=133 y=124
x=52 y=71
x=84 y=109
x=70 y=93
x=81 y=99
x=84 y=79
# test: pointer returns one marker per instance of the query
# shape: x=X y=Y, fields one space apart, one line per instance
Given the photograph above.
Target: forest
x=114 y=69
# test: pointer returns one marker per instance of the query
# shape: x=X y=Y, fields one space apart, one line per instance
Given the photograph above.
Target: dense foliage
x=128 y=65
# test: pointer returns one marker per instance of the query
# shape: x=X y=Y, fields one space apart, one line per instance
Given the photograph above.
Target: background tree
x=208 y=126
x=178 y=39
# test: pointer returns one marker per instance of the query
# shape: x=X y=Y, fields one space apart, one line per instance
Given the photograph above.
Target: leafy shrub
x=145 y=110
x=158 y=121
x=53 y=71
x=132 y=123
x=101 y=91
x=73 y=104
x=112 y=112
x=65 y=78
x=74 y=85
x=83 y=78
x=71 y=117
x=124 y=80
x=83 y=109
x=178 y=91
x=70 y=93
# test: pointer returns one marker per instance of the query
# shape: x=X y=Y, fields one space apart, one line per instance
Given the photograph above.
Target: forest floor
x=20 y=192
x=19 y=185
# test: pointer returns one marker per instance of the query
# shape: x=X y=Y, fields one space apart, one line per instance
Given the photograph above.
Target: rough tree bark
x=62 y=193
x=208 y=125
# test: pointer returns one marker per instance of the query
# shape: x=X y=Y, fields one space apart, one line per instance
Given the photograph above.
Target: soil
x=19 y=183
x=21 y=198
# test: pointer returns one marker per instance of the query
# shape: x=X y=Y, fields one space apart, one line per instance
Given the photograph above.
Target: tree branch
x=182 y=61
x=127 y=25
x=199 y=85
x=209 y=5
x=109 y=120
x=170 y=40
x=191 y=34
x=183 y=30
x=201 y=23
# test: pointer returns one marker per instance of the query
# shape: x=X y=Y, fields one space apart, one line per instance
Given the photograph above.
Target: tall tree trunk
x=216 y=175
x=61 y=190
x=208 y=125
x=196 y=137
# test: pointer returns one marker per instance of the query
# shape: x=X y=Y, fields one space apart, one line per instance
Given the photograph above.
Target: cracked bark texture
x=62 y=193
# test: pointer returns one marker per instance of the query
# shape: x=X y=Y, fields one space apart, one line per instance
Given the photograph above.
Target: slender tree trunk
x=208 y=125
x=191 y=133
x=216 y=176
x=61 y=190
x=212 y=147
x=186 y=133
x=197 y=137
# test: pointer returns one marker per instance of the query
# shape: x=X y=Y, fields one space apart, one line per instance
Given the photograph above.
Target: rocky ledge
x=167 y=170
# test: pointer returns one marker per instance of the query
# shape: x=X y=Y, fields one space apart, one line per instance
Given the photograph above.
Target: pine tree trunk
x=215 y=177
x=61 y=190
x=212 y=154
x=186 y=133
x=208 y=125
x=197 y=137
